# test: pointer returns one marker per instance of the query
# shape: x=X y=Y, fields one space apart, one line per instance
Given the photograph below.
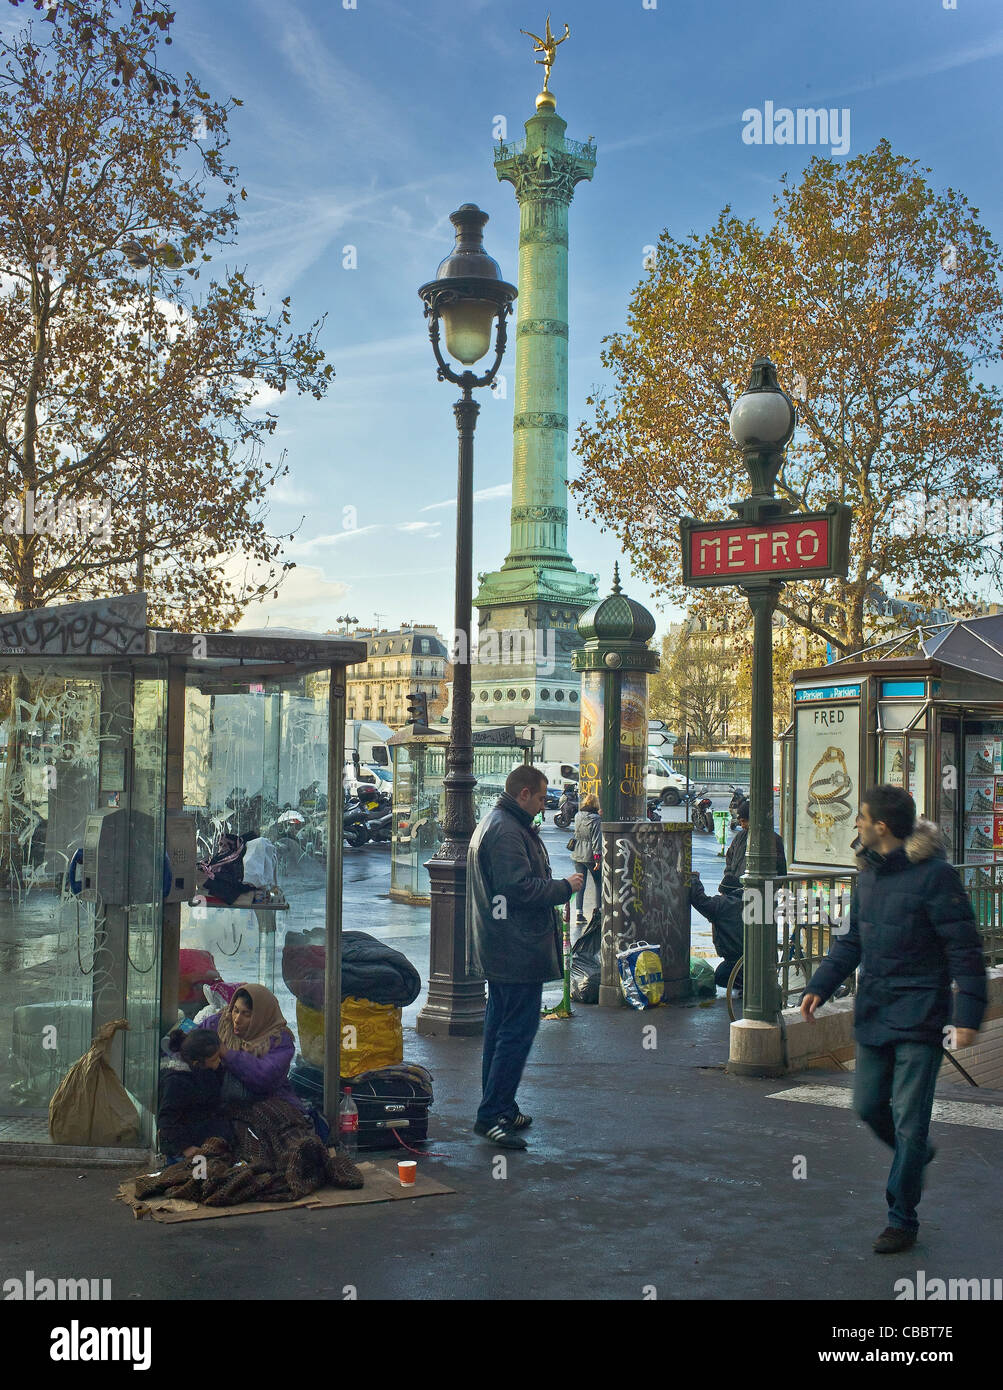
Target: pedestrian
x=513 y=942
x=734 y=859
x=912 y=930
x=586 y=852
x=724 y=912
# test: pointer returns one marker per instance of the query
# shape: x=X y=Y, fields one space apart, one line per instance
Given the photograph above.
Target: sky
x=366 y=122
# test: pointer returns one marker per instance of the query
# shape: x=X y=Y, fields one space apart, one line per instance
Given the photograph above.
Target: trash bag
x=702 y=984
x=378 y=1037
x=641 y=975
x=91 y=1106
x=585 y=971
x=260 y=863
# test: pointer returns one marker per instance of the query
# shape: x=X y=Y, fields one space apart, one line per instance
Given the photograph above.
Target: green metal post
x=332 y=920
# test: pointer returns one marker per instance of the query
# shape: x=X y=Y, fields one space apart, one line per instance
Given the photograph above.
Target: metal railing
x=712 y=767
x=580 y=149
x=809 y=910
x=984 y=885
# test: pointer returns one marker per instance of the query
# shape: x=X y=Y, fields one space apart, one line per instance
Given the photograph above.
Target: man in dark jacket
x=724 y=912
x=912 y=930
x=514 y=941
x=734 y=859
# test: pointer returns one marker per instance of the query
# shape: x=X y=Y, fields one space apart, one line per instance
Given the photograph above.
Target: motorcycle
x=738 y=795
x=567 y=808
x=356 y=817
x=700 y=808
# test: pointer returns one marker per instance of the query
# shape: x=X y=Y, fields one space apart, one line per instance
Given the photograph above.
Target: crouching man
x=912 y=930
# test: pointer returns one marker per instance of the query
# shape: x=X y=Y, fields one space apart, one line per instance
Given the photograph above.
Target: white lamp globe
x=761 y=417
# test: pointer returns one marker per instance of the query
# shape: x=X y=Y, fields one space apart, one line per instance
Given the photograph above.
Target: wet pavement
x=649 y=1169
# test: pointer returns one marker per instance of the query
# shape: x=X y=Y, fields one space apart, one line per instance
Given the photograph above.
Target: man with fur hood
x=912 y=930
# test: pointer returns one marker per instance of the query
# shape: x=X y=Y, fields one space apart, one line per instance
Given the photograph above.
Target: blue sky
x=365 y=127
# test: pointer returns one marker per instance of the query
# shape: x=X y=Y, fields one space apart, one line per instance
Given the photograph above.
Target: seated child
x=724 y=912
x=191 y=1107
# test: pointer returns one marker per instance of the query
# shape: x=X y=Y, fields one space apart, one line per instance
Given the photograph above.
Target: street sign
x=656 y=723
x=796 y=545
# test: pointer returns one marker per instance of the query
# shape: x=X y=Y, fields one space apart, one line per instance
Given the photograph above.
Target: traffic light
x=417 y=709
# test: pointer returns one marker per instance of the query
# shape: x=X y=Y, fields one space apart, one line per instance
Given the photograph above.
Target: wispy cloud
x=309 y=547
x=418 y=526
x=484 y=494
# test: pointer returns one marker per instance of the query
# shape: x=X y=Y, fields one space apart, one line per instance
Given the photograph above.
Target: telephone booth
x=127 y=752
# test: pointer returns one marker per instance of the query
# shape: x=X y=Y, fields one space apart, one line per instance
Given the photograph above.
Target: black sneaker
x=893 y=1240
x=500 y=1132
x=520 y=1121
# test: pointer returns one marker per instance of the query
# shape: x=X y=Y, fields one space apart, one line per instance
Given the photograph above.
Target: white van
x=659 y=777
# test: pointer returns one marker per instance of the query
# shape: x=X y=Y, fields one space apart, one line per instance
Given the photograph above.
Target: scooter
x=738 y=795
x=380 y=826
x=567 y=808
x=356 y=818
x=701 y=812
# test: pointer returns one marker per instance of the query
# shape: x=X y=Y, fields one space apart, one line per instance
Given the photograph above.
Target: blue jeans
x=510 y=1024
x=587 y=871
x=893 y=1093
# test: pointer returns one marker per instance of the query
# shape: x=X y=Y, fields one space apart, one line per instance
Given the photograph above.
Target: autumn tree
x=879 y=300
x=694 y=690
x=131 y=360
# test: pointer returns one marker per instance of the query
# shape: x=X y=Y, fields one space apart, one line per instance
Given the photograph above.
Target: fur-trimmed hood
x=925 y=842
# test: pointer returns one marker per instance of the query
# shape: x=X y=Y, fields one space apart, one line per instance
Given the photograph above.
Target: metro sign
x=795 y=545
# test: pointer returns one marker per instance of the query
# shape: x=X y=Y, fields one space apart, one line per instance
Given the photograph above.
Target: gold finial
x=548 y=47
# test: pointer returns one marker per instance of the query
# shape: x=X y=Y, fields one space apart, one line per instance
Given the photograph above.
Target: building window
x=368 y=713
x=351 y=711
x=382 y=714
x=367 y=692
x=383 y=691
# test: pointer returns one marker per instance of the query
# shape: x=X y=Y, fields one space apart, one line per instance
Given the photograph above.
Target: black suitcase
x=393 y=1098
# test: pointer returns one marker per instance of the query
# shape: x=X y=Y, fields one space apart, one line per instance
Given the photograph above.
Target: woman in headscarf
x=256 y=1047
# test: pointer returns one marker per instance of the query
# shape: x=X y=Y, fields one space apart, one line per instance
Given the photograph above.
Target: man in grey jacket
x=513 y=941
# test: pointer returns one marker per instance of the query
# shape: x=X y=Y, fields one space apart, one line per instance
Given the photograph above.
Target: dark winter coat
x=191 y=1109
x=724 y=912
x=512 y=929
x=912 y=930
x=588 y=838
x=734 y=859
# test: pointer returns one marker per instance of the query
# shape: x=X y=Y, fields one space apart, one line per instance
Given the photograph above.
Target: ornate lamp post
x=468 y=296
x=762 y=422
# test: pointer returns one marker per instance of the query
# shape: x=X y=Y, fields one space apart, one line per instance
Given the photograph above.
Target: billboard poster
x=590 y=752
x=827 y=789
x=633 y=752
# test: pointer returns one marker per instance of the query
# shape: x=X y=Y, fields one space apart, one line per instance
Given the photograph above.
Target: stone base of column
x=456 y=1001
x=757 y=1049
x=611 y=996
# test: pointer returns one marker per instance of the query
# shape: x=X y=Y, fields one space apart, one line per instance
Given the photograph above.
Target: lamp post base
x=757 y=1049
x=456 y=1001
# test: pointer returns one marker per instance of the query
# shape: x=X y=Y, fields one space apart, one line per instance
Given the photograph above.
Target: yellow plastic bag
x=376 y=1038
x=91 y=1105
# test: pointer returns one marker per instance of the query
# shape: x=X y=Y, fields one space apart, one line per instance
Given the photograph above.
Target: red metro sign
x=796 y=546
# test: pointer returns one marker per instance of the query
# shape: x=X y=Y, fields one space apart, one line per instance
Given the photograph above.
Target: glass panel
x=255 y=766
x=898 y=715
x=72 y=960
x=947 y=792
x=893 y=761
x=916 y=784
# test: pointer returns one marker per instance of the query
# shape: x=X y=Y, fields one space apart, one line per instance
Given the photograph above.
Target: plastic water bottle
x=348 y=1124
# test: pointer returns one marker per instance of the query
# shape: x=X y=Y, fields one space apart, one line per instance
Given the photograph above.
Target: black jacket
x=512 y=929
x=724 y=912
x=734 y=859
x=191 y=1109
x=912 y=930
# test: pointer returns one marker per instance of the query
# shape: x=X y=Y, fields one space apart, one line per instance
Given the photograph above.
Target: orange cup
x=407 y=1171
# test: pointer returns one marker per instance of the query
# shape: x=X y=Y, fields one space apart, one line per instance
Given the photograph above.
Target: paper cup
x=407 y=1171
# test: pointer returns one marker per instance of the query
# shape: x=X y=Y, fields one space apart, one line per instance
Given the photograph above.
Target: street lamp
x=762 y=422
x=468 y=297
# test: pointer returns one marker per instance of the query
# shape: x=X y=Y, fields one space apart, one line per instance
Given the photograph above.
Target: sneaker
x=893 y=1240
x=500 y=1132
x=521 y=1121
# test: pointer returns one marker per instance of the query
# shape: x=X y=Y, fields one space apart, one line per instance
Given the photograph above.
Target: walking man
x=514 y=942
x=912 y=930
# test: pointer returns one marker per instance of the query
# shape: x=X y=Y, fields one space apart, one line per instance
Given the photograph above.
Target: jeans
x=893 y=1093
x=510 y=1024
x=586 y=870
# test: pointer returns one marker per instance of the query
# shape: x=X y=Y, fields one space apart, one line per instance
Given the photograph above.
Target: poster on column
x=827 y=783
x=632 y=756
x=590 y=763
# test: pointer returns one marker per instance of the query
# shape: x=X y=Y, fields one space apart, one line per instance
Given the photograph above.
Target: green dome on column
x=616 y=618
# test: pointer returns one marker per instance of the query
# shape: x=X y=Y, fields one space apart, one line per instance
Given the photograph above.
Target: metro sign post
x=758 y=552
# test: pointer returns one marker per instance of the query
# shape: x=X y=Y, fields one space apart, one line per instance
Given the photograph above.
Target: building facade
x=402 y=661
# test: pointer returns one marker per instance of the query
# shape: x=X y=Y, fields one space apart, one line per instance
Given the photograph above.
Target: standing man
x=514 y=941
x=912 y=930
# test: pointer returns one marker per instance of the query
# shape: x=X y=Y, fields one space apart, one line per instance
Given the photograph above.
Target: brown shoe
x=893 y=1240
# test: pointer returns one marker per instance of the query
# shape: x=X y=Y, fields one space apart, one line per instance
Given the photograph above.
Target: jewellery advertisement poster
x=827 y=790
